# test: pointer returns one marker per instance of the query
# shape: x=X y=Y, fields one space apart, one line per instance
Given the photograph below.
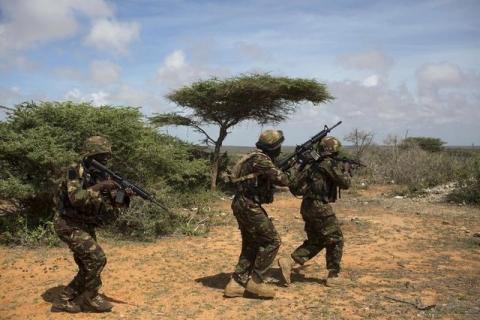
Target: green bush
x=468 y=185
x=38 y=142
x=425 y=143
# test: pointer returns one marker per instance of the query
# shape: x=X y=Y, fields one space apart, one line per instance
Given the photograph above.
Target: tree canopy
x=259 y=97
x=226 y=102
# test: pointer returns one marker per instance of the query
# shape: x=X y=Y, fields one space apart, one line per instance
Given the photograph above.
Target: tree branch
x=199 y=129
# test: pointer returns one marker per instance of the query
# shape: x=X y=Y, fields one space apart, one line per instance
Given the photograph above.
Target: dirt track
x=399 y=248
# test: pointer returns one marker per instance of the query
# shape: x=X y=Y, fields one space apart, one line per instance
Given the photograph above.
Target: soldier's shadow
x=220 y=280
x=217 y=281
x=52 y=296
x=297 y=276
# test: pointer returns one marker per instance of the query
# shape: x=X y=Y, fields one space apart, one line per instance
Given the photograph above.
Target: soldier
x=86 y=199
x=255 y=176
x=318 y=183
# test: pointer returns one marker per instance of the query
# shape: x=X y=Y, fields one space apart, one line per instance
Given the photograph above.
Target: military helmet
x=329 y=144
x=270 y=140
x=97 y=145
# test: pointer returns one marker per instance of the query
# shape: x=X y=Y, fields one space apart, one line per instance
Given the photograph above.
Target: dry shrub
x=413 y=167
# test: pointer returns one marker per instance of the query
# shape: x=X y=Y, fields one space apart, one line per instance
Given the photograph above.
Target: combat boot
x=256 y=286
x=233 y=289
x=67 y=306
x=69 y=293
x=335 y=280
x=286 y=265
x=94 y=302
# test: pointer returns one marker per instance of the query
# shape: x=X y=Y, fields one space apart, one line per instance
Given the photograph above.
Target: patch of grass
x=19 y=232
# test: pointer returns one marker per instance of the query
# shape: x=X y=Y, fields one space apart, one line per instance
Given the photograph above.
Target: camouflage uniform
x=260 y=240
x=79 y=210
x=318 y=183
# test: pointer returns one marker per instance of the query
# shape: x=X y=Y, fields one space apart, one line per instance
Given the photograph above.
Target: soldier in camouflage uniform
x=318 y=184
x=255 y=176
x=86 y=199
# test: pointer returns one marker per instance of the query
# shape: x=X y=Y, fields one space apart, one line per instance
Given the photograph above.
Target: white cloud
x=98 y=98
x=111 y=35
x=104 y=72
x=74 y=95
x=137 y=97
x=176 y=71
x=442 y=74
x=451 y=111
x=32 y=22
x=176 y=60
x=371 y=81
x=370 y=60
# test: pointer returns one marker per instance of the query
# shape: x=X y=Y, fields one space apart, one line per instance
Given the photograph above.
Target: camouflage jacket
x=320 y=181
x=78 y=201
x=256 y=175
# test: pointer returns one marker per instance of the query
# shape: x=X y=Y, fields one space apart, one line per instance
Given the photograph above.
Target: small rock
x=476 y=234
x=464 y=229
x=365 y=202
x=398 y=197
x=445 y=222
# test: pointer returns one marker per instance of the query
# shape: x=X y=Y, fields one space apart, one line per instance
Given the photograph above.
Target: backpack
x=299 y=184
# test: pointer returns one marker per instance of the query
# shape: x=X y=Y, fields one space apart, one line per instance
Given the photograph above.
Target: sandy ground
x=406 y=249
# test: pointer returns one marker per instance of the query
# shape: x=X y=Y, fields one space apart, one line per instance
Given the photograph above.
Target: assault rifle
x=352 y=162
x=125 y=184
x=305 y=151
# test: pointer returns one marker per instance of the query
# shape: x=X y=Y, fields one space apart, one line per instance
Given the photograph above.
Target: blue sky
x=393 y=66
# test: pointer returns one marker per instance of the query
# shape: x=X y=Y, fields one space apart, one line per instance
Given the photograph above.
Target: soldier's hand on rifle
x=129 y=192
x=106 y=185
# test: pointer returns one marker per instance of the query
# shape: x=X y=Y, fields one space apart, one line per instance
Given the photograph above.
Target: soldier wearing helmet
x=318 y=183
x=86 y=199
x=255 y=176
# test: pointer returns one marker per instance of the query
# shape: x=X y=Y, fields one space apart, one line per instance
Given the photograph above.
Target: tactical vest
x=95 y=215
x=314 y=183
x=251 y=184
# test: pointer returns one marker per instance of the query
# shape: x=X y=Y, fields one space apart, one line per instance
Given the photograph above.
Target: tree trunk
x=216 y=158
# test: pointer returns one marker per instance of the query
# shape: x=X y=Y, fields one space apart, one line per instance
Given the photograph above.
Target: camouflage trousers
x=260 y=240
x=323 y=231
x=88 y=255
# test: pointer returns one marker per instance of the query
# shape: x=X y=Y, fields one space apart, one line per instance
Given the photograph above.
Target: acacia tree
x=361 y=140
x=226 y=102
